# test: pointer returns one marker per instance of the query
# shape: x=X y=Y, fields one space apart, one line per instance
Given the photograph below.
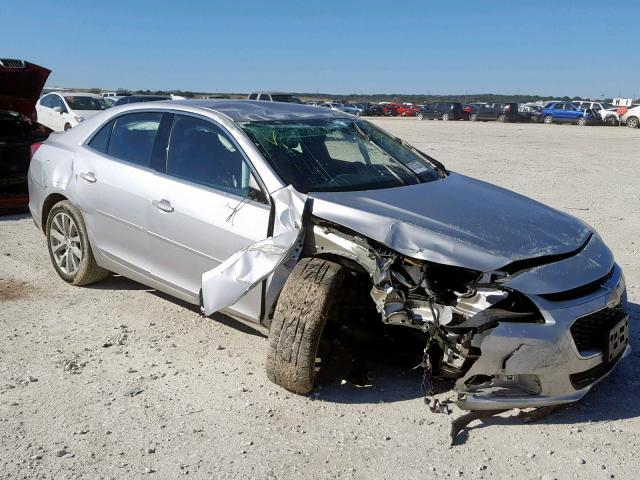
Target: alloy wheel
x=66 y=246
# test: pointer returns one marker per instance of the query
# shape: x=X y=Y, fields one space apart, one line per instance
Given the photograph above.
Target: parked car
x=20 y=85
x=140 y=98
x=63 y=110
x=501 y=112
x=606 y=112
x=566 y=112
x=274 y=97
x=531 y=113
x=342 y=108
x=407 y=110
x=389 y=109
x=369 y=109
x=632 y=117
x=442 y=111
x=316 y=220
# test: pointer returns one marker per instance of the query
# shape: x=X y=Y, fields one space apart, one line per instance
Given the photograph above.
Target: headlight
x=78 y=119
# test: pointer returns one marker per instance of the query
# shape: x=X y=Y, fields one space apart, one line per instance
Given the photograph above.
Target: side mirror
x=58 y=110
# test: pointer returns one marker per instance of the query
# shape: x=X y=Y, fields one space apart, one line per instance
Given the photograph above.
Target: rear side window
x=264 y=96
x=201 y=152
x=133 y=136
x=253 y=96
x=100 y=140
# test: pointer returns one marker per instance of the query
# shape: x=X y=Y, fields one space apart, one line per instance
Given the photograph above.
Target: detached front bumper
x=524 y=365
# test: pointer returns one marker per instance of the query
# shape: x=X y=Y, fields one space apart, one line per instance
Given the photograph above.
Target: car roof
x=78 y=94
x=256 y=110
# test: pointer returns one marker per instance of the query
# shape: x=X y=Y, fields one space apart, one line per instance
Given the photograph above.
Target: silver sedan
x=304 y=219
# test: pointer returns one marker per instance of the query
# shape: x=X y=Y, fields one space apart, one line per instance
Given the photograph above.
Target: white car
x=63 y=110
x=632 y=117
x=606 y=111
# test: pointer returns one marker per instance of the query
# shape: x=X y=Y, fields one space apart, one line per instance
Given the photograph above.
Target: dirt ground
x=118 y=381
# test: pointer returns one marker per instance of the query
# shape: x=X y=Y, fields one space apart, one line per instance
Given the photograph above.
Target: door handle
x=89 y=177
x=163 y=205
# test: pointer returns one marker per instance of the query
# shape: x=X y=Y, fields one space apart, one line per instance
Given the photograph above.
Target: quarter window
x=133 y=136
x=253 y=96
x=201 y=152
x=264 y=96
x=100 y=140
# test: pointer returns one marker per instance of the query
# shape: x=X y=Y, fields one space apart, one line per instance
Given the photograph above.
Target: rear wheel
x=633 y=122
x=473 y=117
x=548 y=119
x=67 y=126
x=420 y=116
x=306 y=303
x=582 y=121
x=611 y=120
x=501 y=118
x=69 y=246
x=445 y=117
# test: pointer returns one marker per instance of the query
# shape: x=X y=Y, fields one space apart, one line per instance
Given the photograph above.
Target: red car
x=407 y=110
x=20 y=86
x=389 y=109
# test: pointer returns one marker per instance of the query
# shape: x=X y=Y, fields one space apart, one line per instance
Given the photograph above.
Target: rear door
x=205 y=207
x=113 y=178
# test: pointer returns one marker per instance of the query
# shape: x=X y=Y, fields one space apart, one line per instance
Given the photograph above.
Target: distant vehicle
x=108 y=94
x=368 y=109
x=20 y=85
x=389 y=109
x=500 y=112
x=274 y=97
x=140 y=98
x=442 y=111
x=606 y=111
x=63 y=110
x=342 y=108
x=632 y=117
x=407 y=110
x=531 y=113
x=567 y=112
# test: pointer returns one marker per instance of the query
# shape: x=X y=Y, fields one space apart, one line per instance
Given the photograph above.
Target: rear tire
x=445 y=117
x=473 y=117
x=582 y=121
x=501 y=118
x=67 y=127
x=66 y=232
x=548 y=119
x=420 y=116
x=306 y=302
x=633 y=122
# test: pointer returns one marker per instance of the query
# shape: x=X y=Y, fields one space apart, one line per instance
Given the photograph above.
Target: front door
x=206 y=207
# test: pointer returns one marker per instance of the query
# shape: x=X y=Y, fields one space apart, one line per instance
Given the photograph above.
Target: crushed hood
x=455 y=221
x=20 y=85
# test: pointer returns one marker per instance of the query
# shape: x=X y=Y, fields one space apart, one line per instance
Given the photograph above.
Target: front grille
x=591 y=331
x=10 y=63
x=586 y=378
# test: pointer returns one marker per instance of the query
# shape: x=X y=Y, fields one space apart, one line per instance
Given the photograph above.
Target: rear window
x=133 y=136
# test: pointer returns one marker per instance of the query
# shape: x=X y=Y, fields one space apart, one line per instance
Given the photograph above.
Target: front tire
x=548 y=119
x=445 y=117
x=501 y=118
x=473 y=117
x=67 y=126
x=582 y=121
x=69 y=247
x=420 y=116
x=633 y=122
x=305 y=304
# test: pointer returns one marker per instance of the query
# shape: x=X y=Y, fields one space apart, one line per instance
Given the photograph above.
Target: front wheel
x=582 y=121
x=67 y=126
x=69 y=246
x=305 y=305
x=473 y=117
x=420 y=116
x=633 y=122
x=548 y=119
x=445 y=117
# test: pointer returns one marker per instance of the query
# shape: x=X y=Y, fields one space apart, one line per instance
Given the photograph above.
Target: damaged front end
x=504 y=348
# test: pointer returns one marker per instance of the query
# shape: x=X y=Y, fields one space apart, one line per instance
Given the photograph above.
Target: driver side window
x=201 y=152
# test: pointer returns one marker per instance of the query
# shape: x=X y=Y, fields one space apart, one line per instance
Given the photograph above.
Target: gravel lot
x=118 y=381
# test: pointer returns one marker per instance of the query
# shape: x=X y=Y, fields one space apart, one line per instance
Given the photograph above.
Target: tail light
x=468 y=109
x=33 y=149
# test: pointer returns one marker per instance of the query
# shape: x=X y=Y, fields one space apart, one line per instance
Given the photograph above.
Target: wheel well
x=49 y=202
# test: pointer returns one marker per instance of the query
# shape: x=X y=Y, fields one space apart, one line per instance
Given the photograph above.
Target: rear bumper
x=534 y=365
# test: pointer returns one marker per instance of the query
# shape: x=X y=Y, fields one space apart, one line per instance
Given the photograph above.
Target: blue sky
x=534 y=47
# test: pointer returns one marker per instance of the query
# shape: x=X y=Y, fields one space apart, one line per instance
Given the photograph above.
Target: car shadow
x=14 y=215
x=118 y=282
